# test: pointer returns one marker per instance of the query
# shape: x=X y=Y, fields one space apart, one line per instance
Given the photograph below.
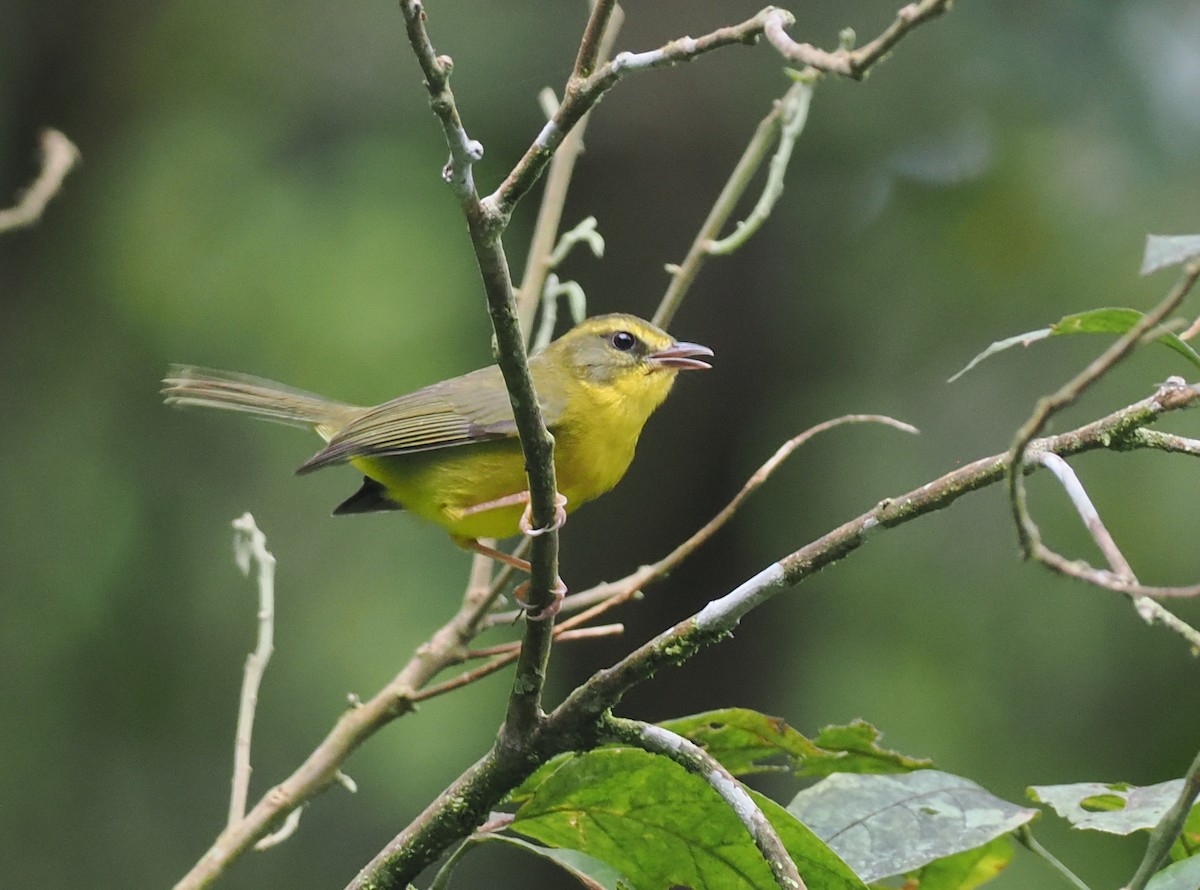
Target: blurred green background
x=260 y=191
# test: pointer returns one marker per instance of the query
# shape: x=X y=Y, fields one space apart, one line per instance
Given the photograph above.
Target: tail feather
x=187 y=385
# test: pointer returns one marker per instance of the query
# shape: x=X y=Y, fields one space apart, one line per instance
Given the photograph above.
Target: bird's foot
x=560 y=516
x=547 y=611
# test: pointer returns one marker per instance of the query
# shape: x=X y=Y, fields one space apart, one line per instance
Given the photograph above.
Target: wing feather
x=467 y=409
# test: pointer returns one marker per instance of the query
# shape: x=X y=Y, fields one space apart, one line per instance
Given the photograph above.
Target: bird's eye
x=623 y=340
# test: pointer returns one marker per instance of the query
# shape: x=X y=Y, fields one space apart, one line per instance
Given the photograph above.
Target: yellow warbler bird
x=449 y=453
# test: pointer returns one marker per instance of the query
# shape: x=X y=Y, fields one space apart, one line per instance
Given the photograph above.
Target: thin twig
x=1120 y=577
x=1025 y=836
x=250 y=547
x=854 y=63
x=1169 y=442
x=793 y=117
x=464 y=151
x=699 y=762
x=1168 y=829
x=1061 y=470
x=583 y=95
x=755 y=153
x=59 y=155
x=591 y=47
x=505 y=654
x=561 y=635
x=286 y=830
x=558 y=181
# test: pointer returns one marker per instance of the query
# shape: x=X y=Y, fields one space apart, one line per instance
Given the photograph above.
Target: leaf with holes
x=891 y=825
x=1116 y=808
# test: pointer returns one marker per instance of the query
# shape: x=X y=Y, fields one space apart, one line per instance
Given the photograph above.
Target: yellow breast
x=595 y=439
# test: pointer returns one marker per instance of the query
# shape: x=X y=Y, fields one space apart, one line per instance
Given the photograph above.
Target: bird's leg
x=558 y=592
x=492 y=553
x=526 y=521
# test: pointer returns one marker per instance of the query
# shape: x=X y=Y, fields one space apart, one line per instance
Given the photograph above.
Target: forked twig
x=1120 y=576
x=854 y=63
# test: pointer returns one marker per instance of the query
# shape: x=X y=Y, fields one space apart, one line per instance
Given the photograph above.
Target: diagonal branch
x=464 y=151
x=720 y=617
x=1120 y=576
x=608 y=595
x=1168 y=829
x=577 y=722
x=558 y=179
x=591 y=47
x=584 y=92
x=767 y=133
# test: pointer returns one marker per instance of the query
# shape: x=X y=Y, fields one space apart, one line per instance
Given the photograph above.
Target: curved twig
x=854 y=63
x=696 y=760
x=59 y=155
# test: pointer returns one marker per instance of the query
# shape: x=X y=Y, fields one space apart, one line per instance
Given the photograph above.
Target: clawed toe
x=547 y=611
x=560 y=517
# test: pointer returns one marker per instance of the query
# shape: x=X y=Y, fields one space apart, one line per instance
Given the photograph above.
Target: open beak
x=680 y=356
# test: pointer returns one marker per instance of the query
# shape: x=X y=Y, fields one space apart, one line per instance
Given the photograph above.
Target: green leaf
x=1117 y=808
x=1118 y=321
x=1113 y=320
x=890 y=825
x=855 y=742
x=1188 y=843
x=966 y=870
x=1168 y=250
x=661 y=826
x=747 y=742
x=1183 y=875
x=1001 y=345
x=526 y=789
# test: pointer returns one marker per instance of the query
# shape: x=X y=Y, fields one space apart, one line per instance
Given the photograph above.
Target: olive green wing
x=461 y=411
